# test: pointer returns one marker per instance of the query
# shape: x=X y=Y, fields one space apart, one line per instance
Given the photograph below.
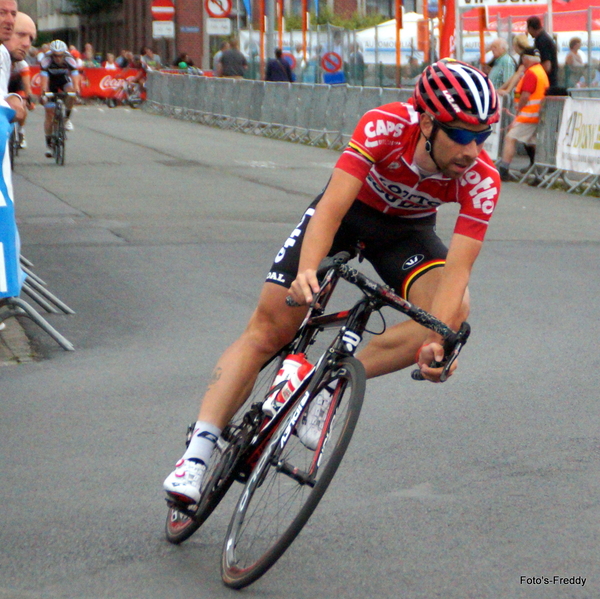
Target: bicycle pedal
x=182 y=508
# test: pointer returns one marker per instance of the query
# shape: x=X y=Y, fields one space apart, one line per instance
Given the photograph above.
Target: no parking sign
x=331 y=62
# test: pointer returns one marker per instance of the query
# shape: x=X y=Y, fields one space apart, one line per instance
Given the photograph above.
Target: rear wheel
x=289 y=481
x=222 y=469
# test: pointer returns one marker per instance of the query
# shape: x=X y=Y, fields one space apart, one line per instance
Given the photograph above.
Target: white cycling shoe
x=311 y=425
x=68 y=125
x=49 y=153
x=183 y=484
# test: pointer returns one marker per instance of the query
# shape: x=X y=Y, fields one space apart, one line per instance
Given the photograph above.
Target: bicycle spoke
x=277 y=501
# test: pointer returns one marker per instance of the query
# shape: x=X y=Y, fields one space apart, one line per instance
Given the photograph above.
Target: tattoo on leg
x=216 y=375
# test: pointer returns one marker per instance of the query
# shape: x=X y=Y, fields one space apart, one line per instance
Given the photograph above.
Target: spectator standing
x=573 y=63
x=356 y=65
x=110 y=62
x=8 y=15
x=278 y=69
x=529 y=94
x=520 y=44
x=546 y=47
x=124 y=59
x=89 y=60
x=76 y=54
x=504 y=66
x=233 y=63
x=183 y=61
x=300 y=62
x=217 y=57
x=20 y=77
x=31 y=57
x=152 y=61
x=40 y=55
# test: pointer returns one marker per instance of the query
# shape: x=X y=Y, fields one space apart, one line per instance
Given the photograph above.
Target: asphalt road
x=158 y=233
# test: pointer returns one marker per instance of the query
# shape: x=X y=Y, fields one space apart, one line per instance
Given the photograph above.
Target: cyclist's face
x=452 y=158
x=22 y=37
x=8 y=14
x=58 y=57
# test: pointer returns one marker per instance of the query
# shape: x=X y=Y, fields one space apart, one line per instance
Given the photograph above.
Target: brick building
x=130 y=26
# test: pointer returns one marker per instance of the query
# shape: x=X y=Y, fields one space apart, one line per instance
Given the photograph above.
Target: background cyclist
x=59 y=74
x=403 y=161
x=20 y=78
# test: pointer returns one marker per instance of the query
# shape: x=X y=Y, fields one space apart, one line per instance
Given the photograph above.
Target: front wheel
x=59 y=150
x=289 y=481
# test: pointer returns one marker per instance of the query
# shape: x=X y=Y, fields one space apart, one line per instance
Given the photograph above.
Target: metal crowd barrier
x=326 y=115
x=315 y=114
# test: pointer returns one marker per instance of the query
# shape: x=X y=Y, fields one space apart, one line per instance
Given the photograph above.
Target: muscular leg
x=396 y=348
x=272 y=325
x=48 y=121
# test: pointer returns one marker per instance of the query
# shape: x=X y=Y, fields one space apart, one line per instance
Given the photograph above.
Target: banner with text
x=96 y=82
x=578 y=147
x=473 y=3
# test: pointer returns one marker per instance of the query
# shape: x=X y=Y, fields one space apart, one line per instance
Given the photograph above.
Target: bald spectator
x=503 y=65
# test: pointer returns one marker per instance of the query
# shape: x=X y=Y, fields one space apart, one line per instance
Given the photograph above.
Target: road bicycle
x=58 y=137
x=129 y=92
x=283 y=479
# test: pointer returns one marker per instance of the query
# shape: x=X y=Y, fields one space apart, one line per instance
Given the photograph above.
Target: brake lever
x=452 y=347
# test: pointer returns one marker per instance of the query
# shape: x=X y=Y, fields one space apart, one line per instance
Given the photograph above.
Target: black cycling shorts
x=58 y=83
x=400 y=249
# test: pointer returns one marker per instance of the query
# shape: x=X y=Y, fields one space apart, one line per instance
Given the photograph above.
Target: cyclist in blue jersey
x=59 y=74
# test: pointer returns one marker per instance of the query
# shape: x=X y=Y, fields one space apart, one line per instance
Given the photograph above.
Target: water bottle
x=293 y=370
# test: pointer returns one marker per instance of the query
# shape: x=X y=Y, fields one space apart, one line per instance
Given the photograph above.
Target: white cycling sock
x=203 y=442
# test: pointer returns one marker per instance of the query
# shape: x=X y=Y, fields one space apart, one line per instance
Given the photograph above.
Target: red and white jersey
x=381 y=153
x=19 y=69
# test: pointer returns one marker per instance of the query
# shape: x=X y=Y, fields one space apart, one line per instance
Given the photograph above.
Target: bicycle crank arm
x=298 y=475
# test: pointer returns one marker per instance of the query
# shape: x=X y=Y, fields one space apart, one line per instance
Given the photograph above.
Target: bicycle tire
x=59 y=150
x=221 y=471
x=12 y=146
x=268 y=516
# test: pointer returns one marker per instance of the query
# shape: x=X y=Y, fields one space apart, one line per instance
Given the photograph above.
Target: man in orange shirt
x=529 y=93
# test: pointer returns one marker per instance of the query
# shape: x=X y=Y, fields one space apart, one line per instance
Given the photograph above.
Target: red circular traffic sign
x=290 y=58
x=331 y=62
x=162 y=10
x=218 y=9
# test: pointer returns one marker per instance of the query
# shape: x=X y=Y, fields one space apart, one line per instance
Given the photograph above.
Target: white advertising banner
x=492 y=143
x=578 y=144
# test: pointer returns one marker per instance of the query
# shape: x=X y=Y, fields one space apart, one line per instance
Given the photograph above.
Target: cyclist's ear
x=426 y=124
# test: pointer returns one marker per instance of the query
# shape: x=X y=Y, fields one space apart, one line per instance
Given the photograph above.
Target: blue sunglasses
x=463 y=136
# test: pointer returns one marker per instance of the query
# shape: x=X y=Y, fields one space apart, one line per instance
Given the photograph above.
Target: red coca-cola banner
x=95 y=82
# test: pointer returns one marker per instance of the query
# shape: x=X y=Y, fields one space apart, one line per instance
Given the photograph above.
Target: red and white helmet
x=450 y=90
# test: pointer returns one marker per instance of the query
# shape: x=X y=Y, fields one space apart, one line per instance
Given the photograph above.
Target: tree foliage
x=92 y=7
x=325 y=16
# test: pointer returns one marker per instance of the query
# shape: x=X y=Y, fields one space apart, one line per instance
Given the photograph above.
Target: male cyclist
x=59 y=74
x=20 y=78
x=403 y=161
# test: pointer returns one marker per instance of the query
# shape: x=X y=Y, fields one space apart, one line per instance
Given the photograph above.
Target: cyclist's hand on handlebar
x=304 y=287
x=430 y=355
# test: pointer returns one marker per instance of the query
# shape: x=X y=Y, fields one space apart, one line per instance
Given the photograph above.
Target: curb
x=14 y=344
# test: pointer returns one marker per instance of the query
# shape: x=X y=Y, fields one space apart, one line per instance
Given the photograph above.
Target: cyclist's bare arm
x=76 y=84
x=335 y=203
x=449 y=299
